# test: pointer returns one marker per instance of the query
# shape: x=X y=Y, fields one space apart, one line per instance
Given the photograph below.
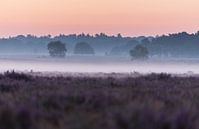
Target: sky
x=128 y=17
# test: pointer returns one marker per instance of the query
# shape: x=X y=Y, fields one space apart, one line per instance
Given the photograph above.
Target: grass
x=156 y=101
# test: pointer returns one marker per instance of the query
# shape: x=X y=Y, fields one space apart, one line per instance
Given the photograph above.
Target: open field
x=155 y=101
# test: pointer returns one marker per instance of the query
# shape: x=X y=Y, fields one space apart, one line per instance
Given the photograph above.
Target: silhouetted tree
x=57 y=49
x=139 y=52
x=83 y=48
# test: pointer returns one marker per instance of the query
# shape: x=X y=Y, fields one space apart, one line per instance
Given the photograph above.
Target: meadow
x=154 y=101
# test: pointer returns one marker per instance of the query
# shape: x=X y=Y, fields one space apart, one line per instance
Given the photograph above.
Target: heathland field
x=155 y=101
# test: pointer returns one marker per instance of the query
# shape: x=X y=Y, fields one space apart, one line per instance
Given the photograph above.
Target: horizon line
x=94 y=35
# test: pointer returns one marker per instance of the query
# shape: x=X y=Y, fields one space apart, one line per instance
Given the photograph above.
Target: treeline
x=101 y=43
x=171 y=45
x=174 y=45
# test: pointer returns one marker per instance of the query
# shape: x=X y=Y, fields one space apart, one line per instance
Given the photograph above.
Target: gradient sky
x=129 y=17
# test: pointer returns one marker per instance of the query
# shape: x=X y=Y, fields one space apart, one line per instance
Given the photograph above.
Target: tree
x=139 y=52
x=57 y=49
x=83 y=48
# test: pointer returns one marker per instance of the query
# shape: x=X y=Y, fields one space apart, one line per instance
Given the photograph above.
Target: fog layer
x=98 y=64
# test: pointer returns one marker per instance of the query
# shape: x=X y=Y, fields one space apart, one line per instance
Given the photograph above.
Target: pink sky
x=129 y=17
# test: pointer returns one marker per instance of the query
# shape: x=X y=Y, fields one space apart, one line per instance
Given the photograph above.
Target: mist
x=94 y=64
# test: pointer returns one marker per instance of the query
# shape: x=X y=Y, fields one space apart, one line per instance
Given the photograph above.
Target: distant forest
x=177 y=45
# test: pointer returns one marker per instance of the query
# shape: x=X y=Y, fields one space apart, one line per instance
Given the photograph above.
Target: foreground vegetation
x=156 y=101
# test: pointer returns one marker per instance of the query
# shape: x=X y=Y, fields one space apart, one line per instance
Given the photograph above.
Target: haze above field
x=129 y=17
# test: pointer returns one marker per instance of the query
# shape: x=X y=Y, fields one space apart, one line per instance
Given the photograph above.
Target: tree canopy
x=83 y=48
x=57 y=49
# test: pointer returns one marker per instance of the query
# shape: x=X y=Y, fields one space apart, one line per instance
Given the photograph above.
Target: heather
x=155 y=101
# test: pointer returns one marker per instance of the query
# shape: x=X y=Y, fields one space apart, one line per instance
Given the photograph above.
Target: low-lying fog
x=97 y=64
